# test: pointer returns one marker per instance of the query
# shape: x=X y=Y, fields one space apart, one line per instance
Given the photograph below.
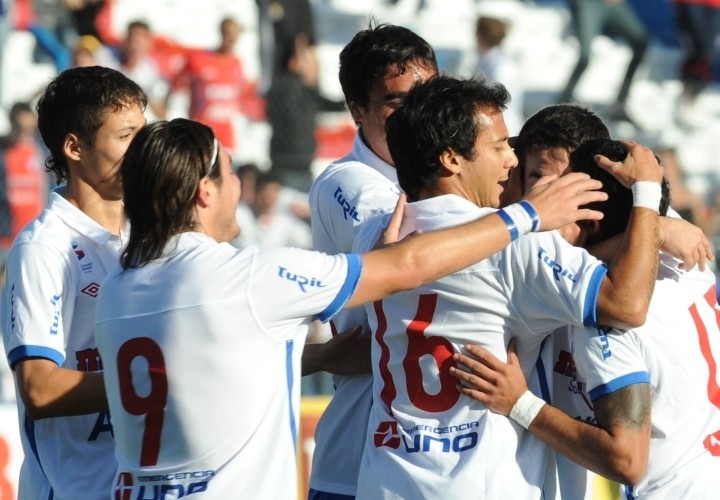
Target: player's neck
x=106 y=212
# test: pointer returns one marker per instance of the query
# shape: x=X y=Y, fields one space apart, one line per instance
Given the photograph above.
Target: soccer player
x=87 y=118
x=184 y=312
x=654 y=389
x=377 y=68
x=450 y=146
x=546 y=141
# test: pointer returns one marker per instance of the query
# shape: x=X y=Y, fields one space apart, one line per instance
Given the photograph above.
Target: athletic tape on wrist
x=647 y=194
x=520 y=218
x=526 y=409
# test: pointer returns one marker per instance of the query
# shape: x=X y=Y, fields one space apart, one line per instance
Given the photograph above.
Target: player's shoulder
x=46 y=232
x=347 y=173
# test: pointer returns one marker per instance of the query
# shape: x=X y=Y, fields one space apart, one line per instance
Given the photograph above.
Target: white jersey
x=202 y=350
x=676 y=352
x=53 y=277
x=569 y=394
x=426 y=440
x=345 y=195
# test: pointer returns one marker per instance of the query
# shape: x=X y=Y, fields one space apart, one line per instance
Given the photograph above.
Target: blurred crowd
x=212 y=85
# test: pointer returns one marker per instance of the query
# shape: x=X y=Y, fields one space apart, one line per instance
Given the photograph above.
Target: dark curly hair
x=77 y=102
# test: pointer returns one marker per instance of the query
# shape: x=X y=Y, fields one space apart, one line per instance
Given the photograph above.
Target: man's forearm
x=625 y=295
x=617 y=448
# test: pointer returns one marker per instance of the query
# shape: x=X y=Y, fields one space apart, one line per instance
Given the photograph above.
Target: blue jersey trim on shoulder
x=354 y=262
x=591 y=297
x=34 y=351
x=619 y=383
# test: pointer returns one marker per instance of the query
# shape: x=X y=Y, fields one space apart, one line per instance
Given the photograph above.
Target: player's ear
x=204 y=192
x=451 y=161
x=356 y=111
x=71 y=147
x=590 y=231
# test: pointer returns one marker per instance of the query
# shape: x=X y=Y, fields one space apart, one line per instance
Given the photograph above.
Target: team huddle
x=537 y=311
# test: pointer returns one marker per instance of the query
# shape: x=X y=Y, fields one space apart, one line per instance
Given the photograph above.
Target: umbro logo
x=92 y=289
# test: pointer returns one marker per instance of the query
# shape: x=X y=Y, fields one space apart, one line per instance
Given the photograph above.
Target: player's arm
x=624 y=295
x=48 y=390
x=678 y=238
x=616 y=448
x=424 y=258
x=347 y=353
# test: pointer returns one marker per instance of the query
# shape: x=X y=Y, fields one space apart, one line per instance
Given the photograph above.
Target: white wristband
x=526 y=409
x=520 y=218
x=647 y=194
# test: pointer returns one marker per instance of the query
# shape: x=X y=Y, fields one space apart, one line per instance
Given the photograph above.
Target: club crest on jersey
x=557 y=269
x=348 y=210
x=79 y=252
x=387 y=435
x=302 y=281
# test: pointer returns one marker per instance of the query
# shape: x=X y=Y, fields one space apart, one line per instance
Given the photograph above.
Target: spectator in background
x=293 y=98
x=217 y=84
x=21 y=173
x=264 y=223
x=686 y=202
x=50 y=23
x=137 y=64
x=293 y=103
x=616 y=17
x=89 y=51
x=83 y=14
x=698 y=25
x=497 y=66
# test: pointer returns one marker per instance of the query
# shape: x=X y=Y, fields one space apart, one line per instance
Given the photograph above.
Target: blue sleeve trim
x=530 y=209
x=510 y=223
x=34 y=351
x=351 y=281
x=591 y=297
x=619 y=383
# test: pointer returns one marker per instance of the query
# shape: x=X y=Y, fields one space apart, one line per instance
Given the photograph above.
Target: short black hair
x=559 y=126
x=616 y=209
x=437 y=116
x=371 y=53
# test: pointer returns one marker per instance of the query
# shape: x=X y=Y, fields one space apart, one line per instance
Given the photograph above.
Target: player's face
x=99 y=163
x=228 y=198
x=494 y=158
x=385 y=96
x=554 y=161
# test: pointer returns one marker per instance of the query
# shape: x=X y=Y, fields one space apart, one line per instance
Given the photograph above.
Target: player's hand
x=485 y=378
x=348 y=352
x=641 y=164
x=686 y=242
x=558 y=200
x=392 y=231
